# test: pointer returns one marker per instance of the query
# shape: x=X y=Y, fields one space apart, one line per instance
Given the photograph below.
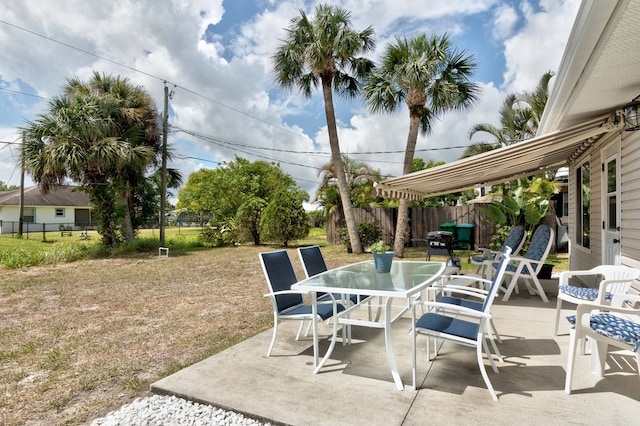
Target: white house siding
x=630 y=220
x=10 y=216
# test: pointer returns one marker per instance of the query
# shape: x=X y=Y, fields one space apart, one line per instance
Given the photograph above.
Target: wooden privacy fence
x=422 y=220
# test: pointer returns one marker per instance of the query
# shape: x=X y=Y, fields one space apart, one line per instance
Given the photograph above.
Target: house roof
x=598 y=75
x=62 y=196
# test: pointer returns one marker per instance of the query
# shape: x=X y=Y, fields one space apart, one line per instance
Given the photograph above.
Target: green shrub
x=220 y=233
x=369 y=233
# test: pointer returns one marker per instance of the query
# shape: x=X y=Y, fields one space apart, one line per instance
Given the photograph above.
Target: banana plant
x=527 y=204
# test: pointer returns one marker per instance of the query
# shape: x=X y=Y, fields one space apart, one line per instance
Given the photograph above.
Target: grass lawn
x=82 y=338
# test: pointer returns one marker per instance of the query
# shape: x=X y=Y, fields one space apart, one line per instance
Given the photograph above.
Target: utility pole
x=21 y=207
x=163 y=170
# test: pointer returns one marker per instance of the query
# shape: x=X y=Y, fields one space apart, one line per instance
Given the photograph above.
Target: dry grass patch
x=84 y=338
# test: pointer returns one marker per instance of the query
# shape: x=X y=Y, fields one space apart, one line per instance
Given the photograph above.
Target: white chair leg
x=495 y=349
x=571 y=360
x=495 y=331
x=598 y=357
x=512 y=284
x=483 y=371
x=538 y=289
x=273 y=338
x=489 y=356
x=558 y=309
x=299 y=330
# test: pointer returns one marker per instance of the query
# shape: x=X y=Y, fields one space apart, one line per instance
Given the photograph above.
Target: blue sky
x=216 y=57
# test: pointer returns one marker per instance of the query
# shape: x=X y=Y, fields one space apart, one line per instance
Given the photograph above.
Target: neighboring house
x=65 y=206
x=584 y=127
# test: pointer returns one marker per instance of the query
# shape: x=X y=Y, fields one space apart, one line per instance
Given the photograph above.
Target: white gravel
x=169 y=411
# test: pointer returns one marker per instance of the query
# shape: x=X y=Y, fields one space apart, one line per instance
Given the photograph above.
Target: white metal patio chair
x=615 y=280
x=528 y=266
x=313 y=263
x=449 y=288
x=288 y=304
x=444 y=322
x=615 y=325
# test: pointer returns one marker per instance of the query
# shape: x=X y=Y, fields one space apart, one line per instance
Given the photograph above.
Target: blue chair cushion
x=582 y=293
x=448 y=325
x=325 y=310
x=614 y=327
x=465 y=303
x=478 y=259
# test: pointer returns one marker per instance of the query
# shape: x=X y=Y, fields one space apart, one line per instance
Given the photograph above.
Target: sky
x=215 y=56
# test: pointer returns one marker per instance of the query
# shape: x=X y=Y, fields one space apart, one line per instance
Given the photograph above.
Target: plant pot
x=383 y=261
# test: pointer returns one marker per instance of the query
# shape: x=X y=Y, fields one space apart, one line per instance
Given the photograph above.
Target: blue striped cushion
x=614 y=327
x=582 y=293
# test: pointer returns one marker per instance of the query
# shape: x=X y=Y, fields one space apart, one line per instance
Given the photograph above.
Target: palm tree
x=519 y=118
x=514 y=124
x=431 y=77
x=102 y=135
x=359 y=177
x=325 y=51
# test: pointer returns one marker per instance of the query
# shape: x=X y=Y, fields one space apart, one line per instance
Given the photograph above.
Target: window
x=29 y=215
x=59 y=212
x=583 y=208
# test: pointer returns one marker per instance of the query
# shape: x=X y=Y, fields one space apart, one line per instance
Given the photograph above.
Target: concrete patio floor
x=356 y=387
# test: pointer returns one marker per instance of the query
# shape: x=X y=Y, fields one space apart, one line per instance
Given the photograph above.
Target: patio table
x=406 y=280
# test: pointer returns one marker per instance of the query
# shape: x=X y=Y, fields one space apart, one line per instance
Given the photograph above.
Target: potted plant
x=382 y=256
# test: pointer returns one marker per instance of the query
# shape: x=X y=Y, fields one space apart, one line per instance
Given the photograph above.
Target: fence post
x=44 y=232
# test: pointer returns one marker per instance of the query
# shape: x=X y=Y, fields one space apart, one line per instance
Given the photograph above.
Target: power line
x=289 y=151
x=22 y=93
x=189 y=157
x=164 y=80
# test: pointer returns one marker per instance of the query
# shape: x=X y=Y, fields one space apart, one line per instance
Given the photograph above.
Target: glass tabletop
x=405 y=278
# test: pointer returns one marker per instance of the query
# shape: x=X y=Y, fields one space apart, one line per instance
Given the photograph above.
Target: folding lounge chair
x=444 y=322
x=606 y=325
x=528 y=266
x=515 y=240
x=288 y=304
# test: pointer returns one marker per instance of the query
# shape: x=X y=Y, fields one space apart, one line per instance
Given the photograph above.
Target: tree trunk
x=127 y=225
x=403 y=206
x=336 y=158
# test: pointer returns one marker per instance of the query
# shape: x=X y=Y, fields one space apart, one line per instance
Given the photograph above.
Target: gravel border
x=171 y=410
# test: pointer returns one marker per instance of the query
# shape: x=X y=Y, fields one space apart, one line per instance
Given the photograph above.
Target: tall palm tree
x=102 y=135
x=431 y=77
x=324 y=51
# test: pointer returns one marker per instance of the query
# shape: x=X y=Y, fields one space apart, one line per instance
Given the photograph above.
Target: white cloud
x=225 y=83
x=538 y=46
x=505 y=19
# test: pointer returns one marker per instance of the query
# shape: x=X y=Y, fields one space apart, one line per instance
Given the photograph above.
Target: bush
x=221 y=233
x=284 y=219
x=369 y=233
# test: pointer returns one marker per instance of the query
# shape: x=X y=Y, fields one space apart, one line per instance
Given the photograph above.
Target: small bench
x=65 y=230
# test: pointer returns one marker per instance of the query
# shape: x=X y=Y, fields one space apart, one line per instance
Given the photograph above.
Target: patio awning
x=527 y=158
